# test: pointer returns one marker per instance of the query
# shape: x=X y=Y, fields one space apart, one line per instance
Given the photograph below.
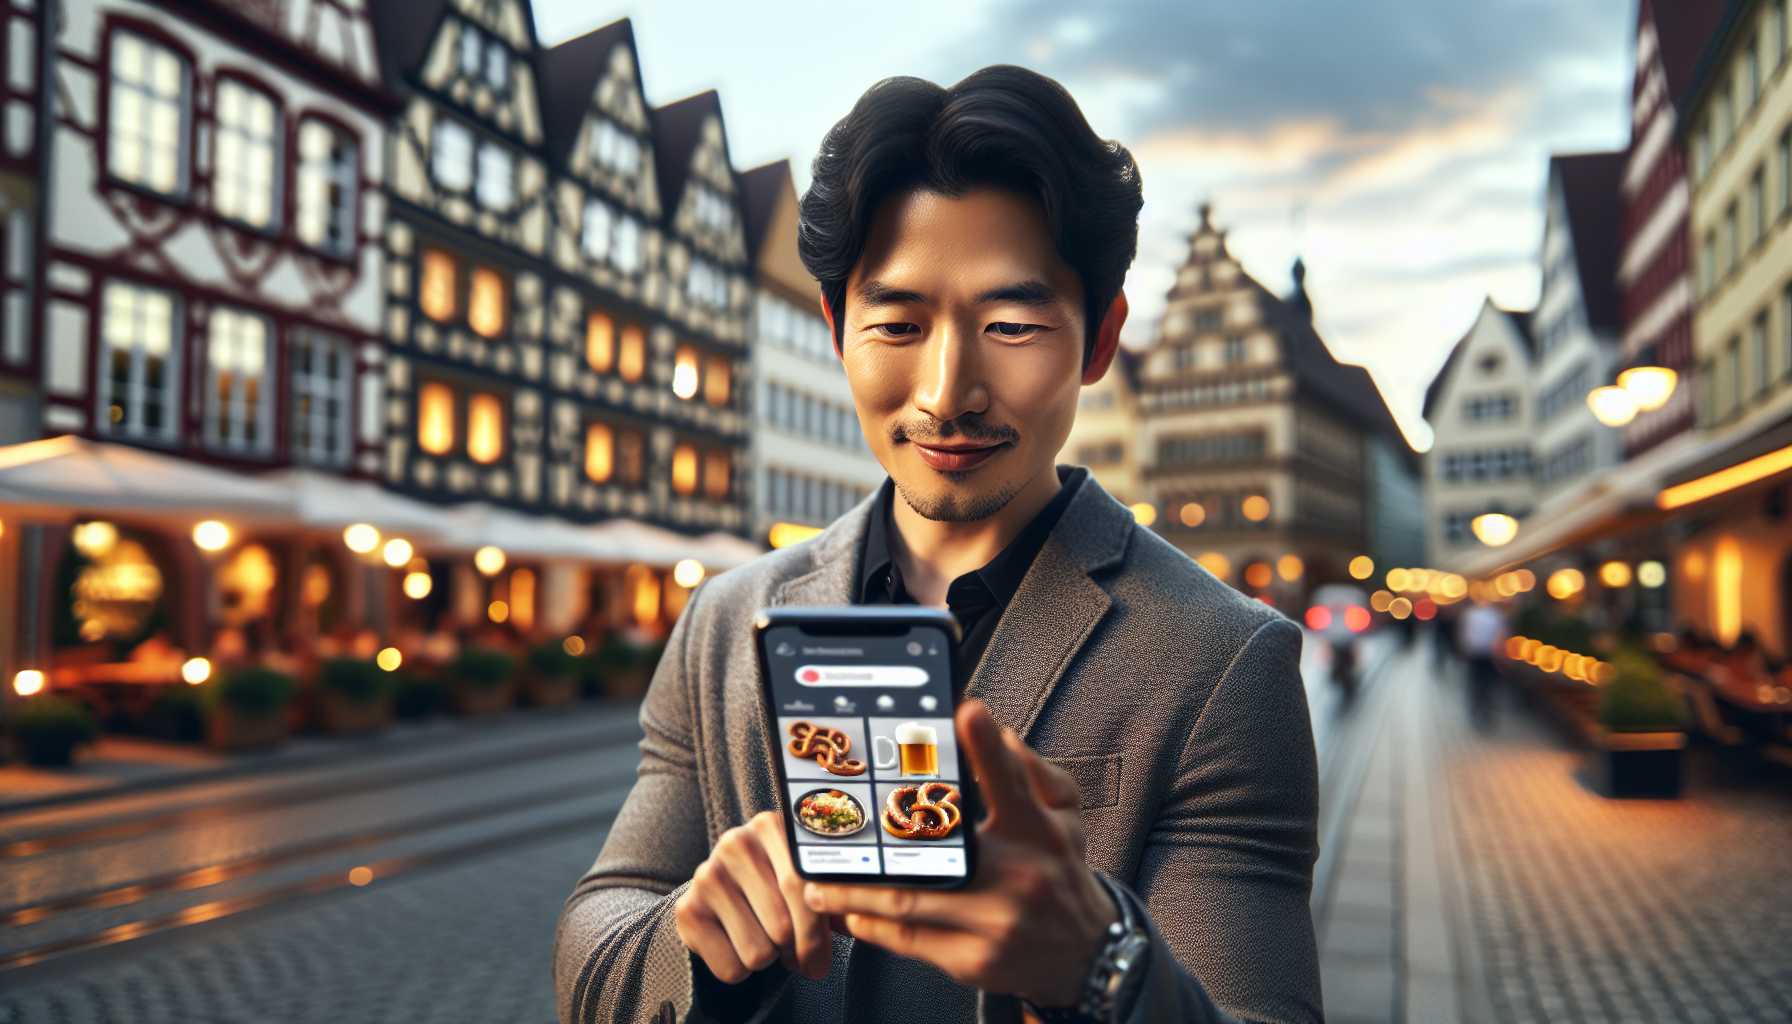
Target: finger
x=1051 y=784
x=962 y=955
x=724 y=899
x=1001 y=779
x=703 y=935
x=814 y=952
x=964 y=910
x=752 y=872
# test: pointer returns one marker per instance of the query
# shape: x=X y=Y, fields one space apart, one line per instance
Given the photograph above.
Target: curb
x=352 y=749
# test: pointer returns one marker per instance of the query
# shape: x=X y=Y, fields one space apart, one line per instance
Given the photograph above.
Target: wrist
x=1093 y=929
x=1112 y=974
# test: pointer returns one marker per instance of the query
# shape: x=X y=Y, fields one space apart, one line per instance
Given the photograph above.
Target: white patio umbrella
x=327 y=501
x=63 y=476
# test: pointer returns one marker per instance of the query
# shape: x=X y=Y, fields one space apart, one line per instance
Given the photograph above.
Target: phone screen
x=873 y=778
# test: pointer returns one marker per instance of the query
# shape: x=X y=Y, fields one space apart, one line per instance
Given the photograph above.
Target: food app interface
x=864 y=725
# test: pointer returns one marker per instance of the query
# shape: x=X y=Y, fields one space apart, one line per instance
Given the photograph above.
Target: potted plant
x=46 y=729
x=356 y=695
x=248 y=708
x=625 y=666
x=480 y=681
x=1642 y=725
x=551 y=675
x=416 y=694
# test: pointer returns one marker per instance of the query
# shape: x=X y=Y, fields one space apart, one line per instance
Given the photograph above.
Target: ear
x=1107 y=339
x=828 y=315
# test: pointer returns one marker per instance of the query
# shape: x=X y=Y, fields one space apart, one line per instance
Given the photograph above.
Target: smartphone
x=871 y=780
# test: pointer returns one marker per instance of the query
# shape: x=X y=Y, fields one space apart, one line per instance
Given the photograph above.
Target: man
x=1480 y=632
x=1139 y=729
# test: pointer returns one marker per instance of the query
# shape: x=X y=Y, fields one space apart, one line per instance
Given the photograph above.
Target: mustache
x=969 y=430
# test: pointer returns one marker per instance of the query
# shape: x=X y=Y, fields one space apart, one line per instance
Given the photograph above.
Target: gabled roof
x=570 y=72
x=1521 y=322
x=677 y=130
x=760 y=189
x=1682 y=29
x=1592 y=190
x=403 y=32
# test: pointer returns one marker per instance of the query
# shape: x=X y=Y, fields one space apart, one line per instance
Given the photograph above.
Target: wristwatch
x=1115 y=973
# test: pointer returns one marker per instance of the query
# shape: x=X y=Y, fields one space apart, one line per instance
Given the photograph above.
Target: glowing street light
x=1612 y=405
x=397 y=552
x=1144 y=512
x=211 y=535
x=361 y=538
x=687 y=573
x=489 y=560
x=196 y=670
x=27 y=682
x=1650 y=386
x=1362 y=567
x=1494 y=529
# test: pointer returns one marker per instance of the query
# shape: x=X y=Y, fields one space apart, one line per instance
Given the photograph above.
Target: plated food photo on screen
x=827 y=746
x=927 y=811
x=831 y=813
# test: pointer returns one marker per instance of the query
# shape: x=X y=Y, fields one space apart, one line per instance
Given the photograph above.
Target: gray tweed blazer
x=1174 y=701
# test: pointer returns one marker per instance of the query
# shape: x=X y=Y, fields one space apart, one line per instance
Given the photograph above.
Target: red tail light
x=1319 y=617
x=1356 y=618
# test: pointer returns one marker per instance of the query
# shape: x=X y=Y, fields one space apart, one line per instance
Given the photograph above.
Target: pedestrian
x=1140 y=726
x=1480 y=632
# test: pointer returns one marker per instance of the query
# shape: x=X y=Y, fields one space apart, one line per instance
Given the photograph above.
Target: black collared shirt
x=977 y=598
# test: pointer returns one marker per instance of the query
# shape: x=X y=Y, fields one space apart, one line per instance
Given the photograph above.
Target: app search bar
x=861 y=675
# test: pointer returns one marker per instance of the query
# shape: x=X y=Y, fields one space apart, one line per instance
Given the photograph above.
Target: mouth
x=958 y=457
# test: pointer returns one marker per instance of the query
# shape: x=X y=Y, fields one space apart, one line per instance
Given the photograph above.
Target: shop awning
x=328 y=501
x=479 y=524
x=59 y=477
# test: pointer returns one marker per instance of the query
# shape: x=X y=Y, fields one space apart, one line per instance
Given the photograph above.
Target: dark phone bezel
x=847 y=620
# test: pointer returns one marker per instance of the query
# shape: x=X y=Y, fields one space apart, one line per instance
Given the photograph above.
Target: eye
x=1005 y=329
x=896 y=330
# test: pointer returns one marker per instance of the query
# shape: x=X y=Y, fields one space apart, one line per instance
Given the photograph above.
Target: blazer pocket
x=1097 y=777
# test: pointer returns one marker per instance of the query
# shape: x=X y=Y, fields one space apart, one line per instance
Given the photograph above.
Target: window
x=485 y=427
x=435 y=418
x=625 y=245
x=633 y=359
x=139 y=386
x=1775 y=36
x=1708 y=262
x=706 y=285
x=684 y=469
x=713 y=210
x=146 y=115
x=717 y=379
x=486 y=303
x=497 y=65
x=716 y=467
x=437 y=292
x=631 y=456
x=451 y=156
x=1757 y=204
x=600 y=341
x=483 y=56
x=1786 y=332
x=1208 y=320
x=1751 y=75
x=238 y=406
x=1705 y=408
x=497 y=177
x=1732 y=241
x=1730 y=384
x=321 y=372
x=684 y=372
x=1786 y=171
x=614 y=149
x=1759 y=357
x=598 y=225
x=246 y=153
x=600 y=452
x=1234 y=350
x=1720 y=121
x=328 y=187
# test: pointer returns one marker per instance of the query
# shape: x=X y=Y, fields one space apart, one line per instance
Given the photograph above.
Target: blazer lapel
x=1055 y=609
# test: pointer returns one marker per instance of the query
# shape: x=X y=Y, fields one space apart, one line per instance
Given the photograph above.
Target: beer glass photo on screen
x=859 y=702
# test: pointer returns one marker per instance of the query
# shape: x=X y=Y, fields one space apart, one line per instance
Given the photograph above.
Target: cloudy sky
x=1399 y=145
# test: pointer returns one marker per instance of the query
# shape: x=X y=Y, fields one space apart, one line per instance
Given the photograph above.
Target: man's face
x=963 y=328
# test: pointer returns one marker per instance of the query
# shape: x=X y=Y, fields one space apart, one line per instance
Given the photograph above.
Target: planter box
x=629 y=683
x=1641 y=764
x=482 y=700
x=342 y=714
x=546 y=692
x=230 y=729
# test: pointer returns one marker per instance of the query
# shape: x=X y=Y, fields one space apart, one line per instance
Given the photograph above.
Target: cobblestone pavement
x=1592 y=909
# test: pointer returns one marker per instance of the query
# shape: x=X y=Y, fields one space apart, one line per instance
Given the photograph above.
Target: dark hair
x=1004 y=127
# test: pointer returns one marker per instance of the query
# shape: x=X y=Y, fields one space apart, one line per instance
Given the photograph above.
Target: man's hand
x=1031 y=920
x=744 y=908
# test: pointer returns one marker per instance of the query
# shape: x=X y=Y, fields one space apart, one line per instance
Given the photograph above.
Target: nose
x=950 y=381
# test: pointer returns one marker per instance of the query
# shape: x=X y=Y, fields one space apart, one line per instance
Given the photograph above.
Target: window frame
x=469 y=167
x=225 y=428
x=304 y=381
x=351 y=208
x=186 y=141
x=173 y=372
x=276 y=141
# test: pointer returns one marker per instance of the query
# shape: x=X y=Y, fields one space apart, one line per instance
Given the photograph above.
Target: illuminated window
x=147 y=120
x=435 y=418
x=436 y=292
x=139 y=380
x=600 y=342
x=716 y=380
x=485 y=428
x=715 y=474
x=451 y=155
x=684 y=469
x=321 y=370
x=485 y=306
x=600 y=452
x=246 y=154
x=522 y=598
x=684 y=372
x=238 y=400
x=633 y=360
x=599 y=224
x=328 y=187
x=631 y=456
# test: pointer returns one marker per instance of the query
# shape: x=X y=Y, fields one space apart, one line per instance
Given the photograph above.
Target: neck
x=932 y=554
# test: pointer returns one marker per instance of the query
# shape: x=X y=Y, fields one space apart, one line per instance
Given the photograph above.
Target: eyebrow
x=1031 y=292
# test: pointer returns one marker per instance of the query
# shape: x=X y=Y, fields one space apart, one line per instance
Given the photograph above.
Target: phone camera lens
x=914 y=648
